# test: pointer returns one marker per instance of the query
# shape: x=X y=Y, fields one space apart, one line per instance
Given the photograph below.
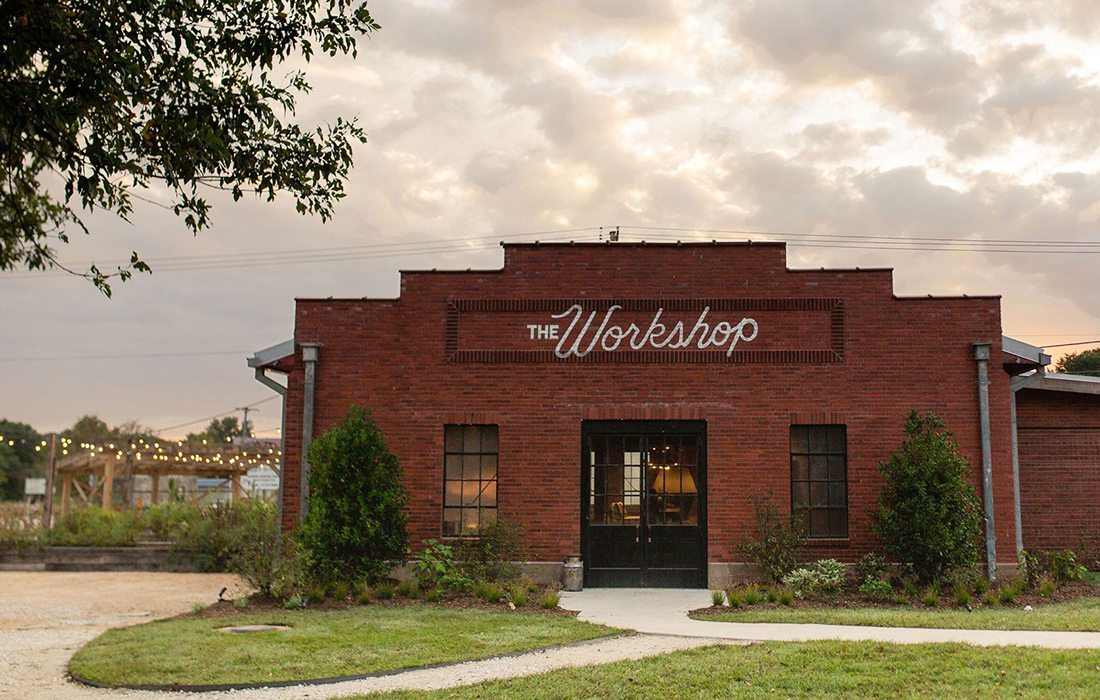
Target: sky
x=827 y=122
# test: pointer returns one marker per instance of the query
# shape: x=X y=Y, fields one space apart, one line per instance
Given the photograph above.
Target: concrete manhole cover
x=245 y=629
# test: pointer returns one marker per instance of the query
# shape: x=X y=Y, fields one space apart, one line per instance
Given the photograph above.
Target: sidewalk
x=664 y=612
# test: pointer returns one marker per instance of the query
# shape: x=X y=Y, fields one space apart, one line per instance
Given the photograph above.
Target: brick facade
x=1059 y=448
x=834 y=346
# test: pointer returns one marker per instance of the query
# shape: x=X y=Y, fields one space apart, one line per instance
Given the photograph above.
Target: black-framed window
x=819 y=479
x=469 y=478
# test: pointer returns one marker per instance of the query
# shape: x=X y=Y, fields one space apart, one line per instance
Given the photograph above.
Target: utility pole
x=245 y=432
x=51 y=466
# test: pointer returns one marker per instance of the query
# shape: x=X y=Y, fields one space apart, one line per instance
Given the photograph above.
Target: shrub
x=384 y=591
x=930 y=599
x=771 y=595
x=929 y=513
x=786 y=596
x=870 y=566
x=550 y=600
x=355 y=525
x=495 y=554
x=433 y=595
x=962 y=594
x=823 y=577
x=717 y=597
x=294 y=602
x=362 y=593
x=876 y=588
x=775 y=539
x=241 y=603
x=488 y=591
x=95 y=527
x=1008 y=595
x=434 y=562
x=315 y=594
x=733 y=597
x=339 y=590
x=517 y=594
x=255 y=552
x=909 y=587
x=1063 y=566
x=990 y=599
x=980 y=585
x=456 y=582
x=1046 y=587
x=408 y=589
x=751 y=595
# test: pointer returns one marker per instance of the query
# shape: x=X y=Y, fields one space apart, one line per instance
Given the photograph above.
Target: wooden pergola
x=229 y=462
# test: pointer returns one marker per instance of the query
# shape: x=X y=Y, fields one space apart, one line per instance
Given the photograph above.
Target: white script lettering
x=610 y=336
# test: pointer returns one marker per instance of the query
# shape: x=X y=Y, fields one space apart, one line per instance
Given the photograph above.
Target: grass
x=189 y=651
x=813 y=669
x=1081 y=615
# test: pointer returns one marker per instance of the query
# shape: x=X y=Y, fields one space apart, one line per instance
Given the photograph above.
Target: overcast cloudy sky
x=493 y=118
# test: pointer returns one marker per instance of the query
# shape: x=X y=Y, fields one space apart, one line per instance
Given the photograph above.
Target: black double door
x=643 y=503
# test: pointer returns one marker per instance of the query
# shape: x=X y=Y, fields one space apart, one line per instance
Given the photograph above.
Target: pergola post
x=108 y=481
x=66 y=492
x=236 y=487
x=154 y=497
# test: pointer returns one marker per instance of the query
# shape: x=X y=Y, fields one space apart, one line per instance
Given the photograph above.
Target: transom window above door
x=470 y=454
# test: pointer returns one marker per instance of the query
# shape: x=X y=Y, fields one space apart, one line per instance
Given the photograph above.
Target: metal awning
x=272 y=355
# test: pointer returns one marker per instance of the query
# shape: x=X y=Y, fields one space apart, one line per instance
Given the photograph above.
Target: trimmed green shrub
x=495 y=554
x=355 y=524
x=775 y=539
x=929 y=513
x=823 y=577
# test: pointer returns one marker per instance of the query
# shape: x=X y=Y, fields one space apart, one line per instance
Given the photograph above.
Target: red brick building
x=626 y=402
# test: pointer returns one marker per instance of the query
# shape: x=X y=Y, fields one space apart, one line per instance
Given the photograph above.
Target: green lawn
x=319 y=644
x=814 y=669
x=1079 y=615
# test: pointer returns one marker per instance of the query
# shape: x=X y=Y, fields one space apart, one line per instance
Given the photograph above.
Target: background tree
x=355 y=525
x=99 y=98
x=1084 y=362
x=19 y=459
x=929 y=513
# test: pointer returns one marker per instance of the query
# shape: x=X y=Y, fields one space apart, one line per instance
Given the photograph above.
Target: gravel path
x=46 y=617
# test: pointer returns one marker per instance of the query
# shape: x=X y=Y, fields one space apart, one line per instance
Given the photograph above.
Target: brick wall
x=1059 y=444
x=898 y=354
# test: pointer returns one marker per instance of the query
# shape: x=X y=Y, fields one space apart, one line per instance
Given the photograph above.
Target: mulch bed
x=1074 y=590
x=266 y=604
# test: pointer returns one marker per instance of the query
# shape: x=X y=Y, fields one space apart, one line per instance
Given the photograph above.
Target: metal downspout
x=261 y=377
x=309 y=357
x=981 y=356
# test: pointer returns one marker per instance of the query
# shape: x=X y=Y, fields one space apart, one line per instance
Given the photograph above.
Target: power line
x=1066 y=345
x=219 y=415
x=138 y=356
x=868 y=237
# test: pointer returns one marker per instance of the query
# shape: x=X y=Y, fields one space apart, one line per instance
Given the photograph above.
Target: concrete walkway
x=664 y=612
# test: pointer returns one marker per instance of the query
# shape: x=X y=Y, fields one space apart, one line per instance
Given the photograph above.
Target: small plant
x=871 y=565
x=901 y=599
x=1046 y=587
x=435 y=562
x=1063 y=566
x=771 y=595
x=408 y=589
x=823 y=577
x=315 y=594
x=1008 y=595
x=456 y=582
x=433 y=595
x=930 y=599
x=240 y=603
x=294 y=602
x=980 y=585
x=786 y=596
x=495 y=554
x=876 y=588
x=775 y=539
x=962 y=594
x=733 y=597
x=384 y=591
x=909 y=588
x=717 y=597
x=339 y=590
x=362 y=593
x=752 y=595
x=549 y=600
x=197 y=608
x=488 y=591
x=517 y=594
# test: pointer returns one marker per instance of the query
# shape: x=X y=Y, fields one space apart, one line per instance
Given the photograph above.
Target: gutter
x=981 y=356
